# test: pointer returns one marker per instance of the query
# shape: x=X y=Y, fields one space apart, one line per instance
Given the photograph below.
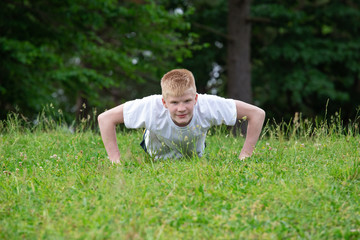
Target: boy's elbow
x=102 y=119
x=111 y=117
x=262 y=113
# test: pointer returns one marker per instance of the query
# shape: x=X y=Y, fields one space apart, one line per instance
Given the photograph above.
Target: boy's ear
x=164 y=103
x=196 y=98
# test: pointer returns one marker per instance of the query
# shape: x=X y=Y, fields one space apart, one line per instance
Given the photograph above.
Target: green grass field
x=303 y=182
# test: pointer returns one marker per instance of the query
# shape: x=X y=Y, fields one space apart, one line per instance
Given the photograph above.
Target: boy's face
x=181 y=108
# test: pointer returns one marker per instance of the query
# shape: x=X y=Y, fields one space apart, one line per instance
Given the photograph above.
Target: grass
x=302 y=183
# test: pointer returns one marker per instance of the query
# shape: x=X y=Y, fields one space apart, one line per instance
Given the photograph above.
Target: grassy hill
x=303 y=182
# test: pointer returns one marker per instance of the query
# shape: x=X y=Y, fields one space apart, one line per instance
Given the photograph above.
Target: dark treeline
x=80 y=55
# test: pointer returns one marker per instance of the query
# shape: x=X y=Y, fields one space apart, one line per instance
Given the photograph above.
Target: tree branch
x=258 y=20
x=212 y=30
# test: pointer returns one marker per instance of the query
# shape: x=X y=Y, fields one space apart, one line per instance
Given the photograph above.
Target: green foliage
x=208 y=26
x=59 y=184
x=59 y=51
x=305 y=54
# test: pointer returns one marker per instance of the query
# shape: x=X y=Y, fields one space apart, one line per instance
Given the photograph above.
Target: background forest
x=284 y=56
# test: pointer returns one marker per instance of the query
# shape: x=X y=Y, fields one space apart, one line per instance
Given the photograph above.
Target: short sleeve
x=215 y=110
x=140 y=113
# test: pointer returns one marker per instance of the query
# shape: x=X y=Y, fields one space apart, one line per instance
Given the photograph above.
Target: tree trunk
x=82 y=108
x=238 y=51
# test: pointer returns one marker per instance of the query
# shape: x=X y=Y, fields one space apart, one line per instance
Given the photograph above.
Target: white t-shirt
x=164 y=139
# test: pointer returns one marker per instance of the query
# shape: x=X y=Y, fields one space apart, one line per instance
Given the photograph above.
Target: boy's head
x=176 y=82
x=179 y=95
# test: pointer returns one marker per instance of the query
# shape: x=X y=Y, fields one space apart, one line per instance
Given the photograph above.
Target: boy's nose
x=181 y=107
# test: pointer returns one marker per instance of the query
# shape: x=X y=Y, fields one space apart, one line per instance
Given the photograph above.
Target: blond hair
x=176 y=82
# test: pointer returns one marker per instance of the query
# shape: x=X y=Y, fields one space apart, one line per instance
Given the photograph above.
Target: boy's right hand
x=107 y=123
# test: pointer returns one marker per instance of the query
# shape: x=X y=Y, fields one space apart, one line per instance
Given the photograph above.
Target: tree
x=306 y=53
x=208 y=34
x=303 y=54
x=238 y=49
x=238 y=54
x=61 y=52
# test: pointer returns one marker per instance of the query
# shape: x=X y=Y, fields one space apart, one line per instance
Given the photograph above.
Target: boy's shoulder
x=215 y=110
x=150 y=103
x=211 y=99
x=154 y=97
x=156 y=101
x=211 y=103
x=147 y=99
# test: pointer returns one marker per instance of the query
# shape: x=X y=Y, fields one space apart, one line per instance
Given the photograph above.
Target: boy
x=177 y=121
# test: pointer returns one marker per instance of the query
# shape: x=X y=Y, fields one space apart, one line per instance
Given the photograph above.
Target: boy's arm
x=107 y=123
x=255 y=117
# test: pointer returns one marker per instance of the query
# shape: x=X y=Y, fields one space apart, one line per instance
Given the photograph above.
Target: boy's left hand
x=255 y=117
